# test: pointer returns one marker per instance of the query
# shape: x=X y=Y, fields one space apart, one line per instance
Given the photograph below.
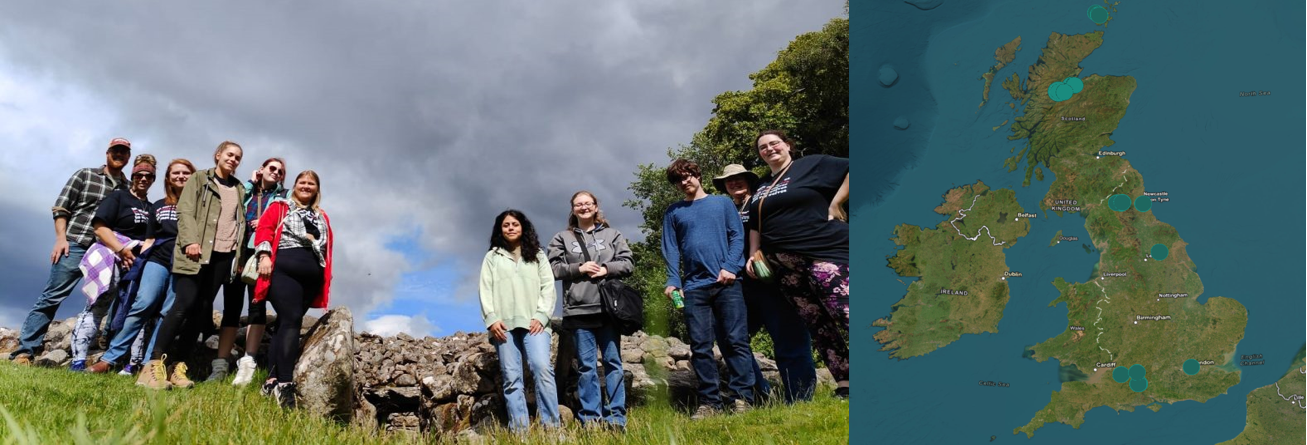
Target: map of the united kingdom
x=1138 y=329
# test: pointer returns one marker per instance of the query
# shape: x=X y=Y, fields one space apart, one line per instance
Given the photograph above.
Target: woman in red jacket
x=293 y=243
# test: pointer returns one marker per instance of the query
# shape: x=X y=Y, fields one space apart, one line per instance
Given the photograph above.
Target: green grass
x=56 y=406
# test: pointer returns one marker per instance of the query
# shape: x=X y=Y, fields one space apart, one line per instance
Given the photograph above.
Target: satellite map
x=1087 y=224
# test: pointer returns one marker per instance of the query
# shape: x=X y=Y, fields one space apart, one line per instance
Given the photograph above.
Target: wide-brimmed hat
x=733 y=170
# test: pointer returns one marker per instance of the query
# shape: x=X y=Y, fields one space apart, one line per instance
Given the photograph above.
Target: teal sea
x=1233 y=168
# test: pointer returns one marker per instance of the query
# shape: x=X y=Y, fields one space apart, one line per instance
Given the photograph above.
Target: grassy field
x=56 y=406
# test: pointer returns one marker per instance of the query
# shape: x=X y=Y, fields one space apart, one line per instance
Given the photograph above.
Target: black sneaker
x=842 y=393
x=267 y=387
x=285 y=394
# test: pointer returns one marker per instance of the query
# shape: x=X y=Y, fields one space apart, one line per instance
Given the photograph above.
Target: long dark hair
x=530 y=242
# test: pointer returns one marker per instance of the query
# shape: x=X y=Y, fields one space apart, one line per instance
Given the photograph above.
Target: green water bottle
x=677 y=300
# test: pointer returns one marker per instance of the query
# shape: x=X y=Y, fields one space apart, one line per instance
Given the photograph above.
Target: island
x=963 y=276
x=1132 y=344
x=1003 y=55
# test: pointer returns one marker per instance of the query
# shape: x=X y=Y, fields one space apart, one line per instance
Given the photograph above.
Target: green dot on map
x=1190 y=366
x=1159 y=252
x=1064 y=91
x=1075 y=83
x=1143 y=203
x=1053 y=92
x=1098 y=14
x=1119 y=202
x=1120 y=374
x=1137 y=372
x=1139 y=385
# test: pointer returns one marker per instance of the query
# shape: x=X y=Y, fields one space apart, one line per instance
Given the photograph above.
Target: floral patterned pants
x=820 y=293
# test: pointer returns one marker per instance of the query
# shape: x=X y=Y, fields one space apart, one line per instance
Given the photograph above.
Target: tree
x=804 y=92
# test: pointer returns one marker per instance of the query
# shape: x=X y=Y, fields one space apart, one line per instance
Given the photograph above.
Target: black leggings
x=191 y=308
x=234 y=298
x=296 y=281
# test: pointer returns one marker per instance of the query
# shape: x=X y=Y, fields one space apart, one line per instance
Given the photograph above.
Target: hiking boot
x=22 y=360
x=77 y=366
x=704 y=412
x=244 y=371
x=218 y=370
x=100 y=367
x=268 y=387
x=179 y=378
x=154 y=376
x=284 y=393
x=740 y=406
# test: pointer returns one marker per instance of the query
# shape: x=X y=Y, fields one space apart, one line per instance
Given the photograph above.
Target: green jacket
x=198 y=209
x=516 y=292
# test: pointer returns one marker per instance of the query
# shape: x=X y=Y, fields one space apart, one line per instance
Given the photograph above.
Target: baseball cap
x=120 y=141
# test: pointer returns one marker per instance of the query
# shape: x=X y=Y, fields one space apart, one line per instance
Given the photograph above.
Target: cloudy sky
x=425 y=119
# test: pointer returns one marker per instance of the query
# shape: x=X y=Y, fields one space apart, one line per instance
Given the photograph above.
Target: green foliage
x=804 y=92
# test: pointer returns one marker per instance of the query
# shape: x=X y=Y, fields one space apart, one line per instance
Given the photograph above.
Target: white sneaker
x=219 y=370
x=244 y=371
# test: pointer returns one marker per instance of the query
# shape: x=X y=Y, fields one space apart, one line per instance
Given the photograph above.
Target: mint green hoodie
x=516 y=292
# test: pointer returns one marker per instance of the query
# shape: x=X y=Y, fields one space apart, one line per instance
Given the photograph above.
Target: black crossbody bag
x=623 y=304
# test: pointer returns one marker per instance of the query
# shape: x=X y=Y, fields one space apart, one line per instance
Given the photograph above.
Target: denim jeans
x=705 y=308
x=589 y=343
x=156 y=282
x=87 y=328
x=64 y=275
x=791 y=344
x=536 y=348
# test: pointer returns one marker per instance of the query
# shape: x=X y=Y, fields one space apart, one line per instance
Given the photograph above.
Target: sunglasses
x=143 y=175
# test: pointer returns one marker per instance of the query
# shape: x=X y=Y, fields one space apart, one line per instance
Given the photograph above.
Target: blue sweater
x=701 y=238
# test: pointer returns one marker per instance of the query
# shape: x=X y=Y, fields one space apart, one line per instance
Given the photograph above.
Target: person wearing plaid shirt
x=73 y=235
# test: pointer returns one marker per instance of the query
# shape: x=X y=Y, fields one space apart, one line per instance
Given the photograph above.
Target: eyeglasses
x=582 y=205
x=764 y=146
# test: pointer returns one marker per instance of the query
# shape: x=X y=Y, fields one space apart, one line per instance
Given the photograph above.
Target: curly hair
x=681 y=169
x=530 y=241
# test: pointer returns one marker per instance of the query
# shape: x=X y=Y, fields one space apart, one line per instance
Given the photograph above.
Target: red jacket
x=269 y=225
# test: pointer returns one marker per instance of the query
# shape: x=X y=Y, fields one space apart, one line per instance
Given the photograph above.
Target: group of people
x=774 y=255
x=787 y=272
x=157 y=267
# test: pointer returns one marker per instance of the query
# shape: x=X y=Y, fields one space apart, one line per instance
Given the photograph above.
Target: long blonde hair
x=317 y=196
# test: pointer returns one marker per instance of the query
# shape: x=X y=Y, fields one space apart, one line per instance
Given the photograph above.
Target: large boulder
x=325 y=371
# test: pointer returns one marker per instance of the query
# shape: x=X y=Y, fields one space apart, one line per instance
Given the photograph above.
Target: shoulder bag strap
x=768 y=192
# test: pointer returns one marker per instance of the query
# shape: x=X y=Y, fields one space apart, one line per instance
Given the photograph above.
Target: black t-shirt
x=795 y=213
x=124 y=213
x=163 y=224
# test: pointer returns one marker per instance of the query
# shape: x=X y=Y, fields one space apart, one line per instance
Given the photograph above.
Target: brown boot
x=100 y=367
x=23 y=360
x=178 y=377
x=154 y=376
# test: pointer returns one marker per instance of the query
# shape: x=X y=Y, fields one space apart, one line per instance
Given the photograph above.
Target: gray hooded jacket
x=606 y=246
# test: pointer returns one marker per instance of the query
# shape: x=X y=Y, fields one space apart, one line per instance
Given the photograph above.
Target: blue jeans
x=156 y=282
x=705 y=310
x=64 y=275
x=588 y=344
x=791 y=343
x=510 y=352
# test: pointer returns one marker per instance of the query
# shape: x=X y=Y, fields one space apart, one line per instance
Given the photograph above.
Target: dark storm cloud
x=429 y=114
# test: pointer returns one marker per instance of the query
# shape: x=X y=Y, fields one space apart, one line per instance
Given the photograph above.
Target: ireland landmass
x=1003 y=55
x=962 y=289
x=1139 y=309
x=1276 y=412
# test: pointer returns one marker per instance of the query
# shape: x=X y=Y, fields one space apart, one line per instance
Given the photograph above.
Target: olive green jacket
x=198 y=209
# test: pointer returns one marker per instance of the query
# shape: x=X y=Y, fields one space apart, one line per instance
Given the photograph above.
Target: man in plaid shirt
x=73 y=235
